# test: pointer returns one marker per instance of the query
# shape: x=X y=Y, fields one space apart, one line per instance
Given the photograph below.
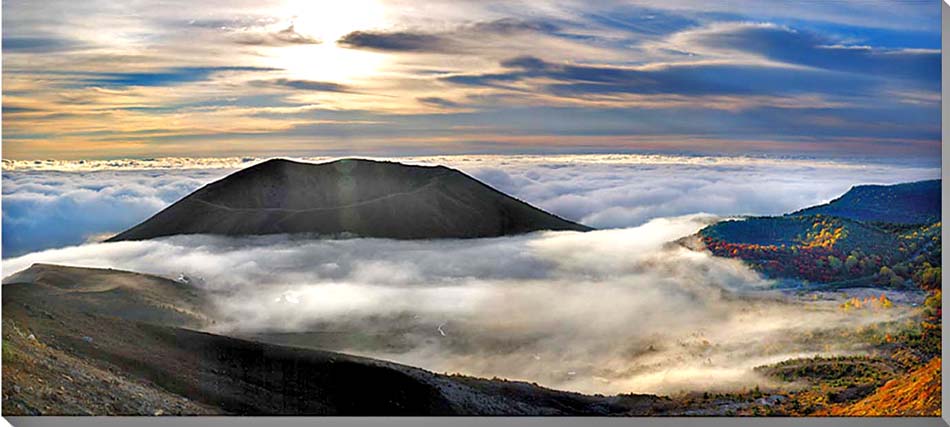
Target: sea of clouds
x=49 y=204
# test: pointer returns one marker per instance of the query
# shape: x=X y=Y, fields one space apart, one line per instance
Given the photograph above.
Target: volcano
x=348 y=198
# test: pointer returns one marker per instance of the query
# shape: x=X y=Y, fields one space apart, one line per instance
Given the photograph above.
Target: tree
x=851 y=262
x=834 y=263
x=896 y=281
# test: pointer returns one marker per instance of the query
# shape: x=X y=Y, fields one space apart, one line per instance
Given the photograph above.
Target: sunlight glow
x=327 y=61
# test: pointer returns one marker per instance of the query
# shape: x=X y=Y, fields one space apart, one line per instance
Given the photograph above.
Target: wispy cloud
x=551 y=69
x=166 y=77
x=309 y=85
x=286 y=36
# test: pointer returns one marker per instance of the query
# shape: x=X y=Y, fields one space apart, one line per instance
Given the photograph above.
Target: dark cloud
x=716 y=79
x=817 y=66
x=811 y=49
x=399 y=41
x=308 y=85
x=510 y=26
x=38 y=44
x=19 y=109
x=164 y=77
x=435 y=101
x=442 y=42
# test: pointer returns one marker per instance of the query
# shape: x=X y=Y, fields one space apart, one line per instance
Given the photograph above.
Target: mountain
x=115 y=293
x=908 y=203
x=873 y=234
x=358 y=197
x=81 y=341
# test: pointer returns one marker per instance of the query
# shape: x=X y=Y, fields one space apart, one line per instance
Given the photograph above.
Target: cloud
x=809 y=49
x=439 y=102
x=307 y=85
x=613 y=311
x=646 y=70
x=460 y=38
x=694 y=79
x=284 y=37
x=46 y=207
x=401 y=41
x=53 y=209
x=38 y=44
x=627 y=194
x=751 y=60
x=165 y=77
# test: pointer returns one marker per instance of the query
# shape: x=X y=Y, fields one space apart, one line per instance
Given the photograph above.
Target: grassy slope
x=914 y=394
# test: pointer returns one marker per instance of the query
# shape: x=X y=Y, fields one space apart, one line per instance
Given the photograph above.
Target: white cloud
x=620 y=309
x=58 y=203
x=43 y=209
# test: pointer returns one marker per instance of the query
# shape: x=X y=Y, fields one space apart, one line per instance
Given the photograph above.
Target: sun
x=328 y=22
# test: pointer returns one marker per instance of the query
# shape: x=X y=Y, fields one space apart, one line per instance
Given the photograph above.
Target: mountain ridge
x=908 y=203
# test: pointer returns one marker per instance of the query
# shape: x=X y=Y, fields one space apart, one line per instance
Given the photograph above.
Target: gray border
x=558 y=421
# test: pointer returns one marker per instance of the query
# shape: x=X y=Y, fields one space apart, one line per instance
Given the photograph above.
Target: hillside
x=349 y=197
x=66 y=352
x=908 y=203
x=844 y=243
x=124 y=294
x=912 y=395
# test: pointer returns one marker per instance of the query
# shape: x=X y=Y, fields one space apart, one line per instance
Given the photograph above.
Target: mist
x=610 y=311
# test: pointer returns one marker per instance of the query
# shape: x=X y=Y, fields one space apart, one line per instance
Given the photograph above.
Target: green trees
x=851 y=262
x=834 y=263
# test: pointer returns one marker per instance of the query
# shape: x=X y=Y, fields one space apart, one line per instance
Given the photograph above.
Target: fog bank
x=611 y=311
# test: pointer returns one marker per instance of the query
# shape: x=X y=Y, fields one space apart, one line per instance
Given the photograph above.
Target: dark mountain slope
x=64 y=355
x=908 y=203
x=124 y=294
x=348 y=197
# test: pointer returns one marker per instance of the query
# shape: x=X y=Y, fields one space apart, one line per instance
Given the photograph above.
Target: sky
x=103 y=80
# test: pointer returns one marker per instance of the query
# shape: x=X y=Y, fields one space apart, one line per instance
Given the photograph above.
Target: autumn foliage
x=823 y=249
x=914 y=394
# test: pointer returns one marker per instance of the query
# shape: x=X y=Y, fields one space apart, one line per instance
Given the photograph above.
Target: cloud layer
x=47 y=209
x=52 y=209
x=611 y=311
